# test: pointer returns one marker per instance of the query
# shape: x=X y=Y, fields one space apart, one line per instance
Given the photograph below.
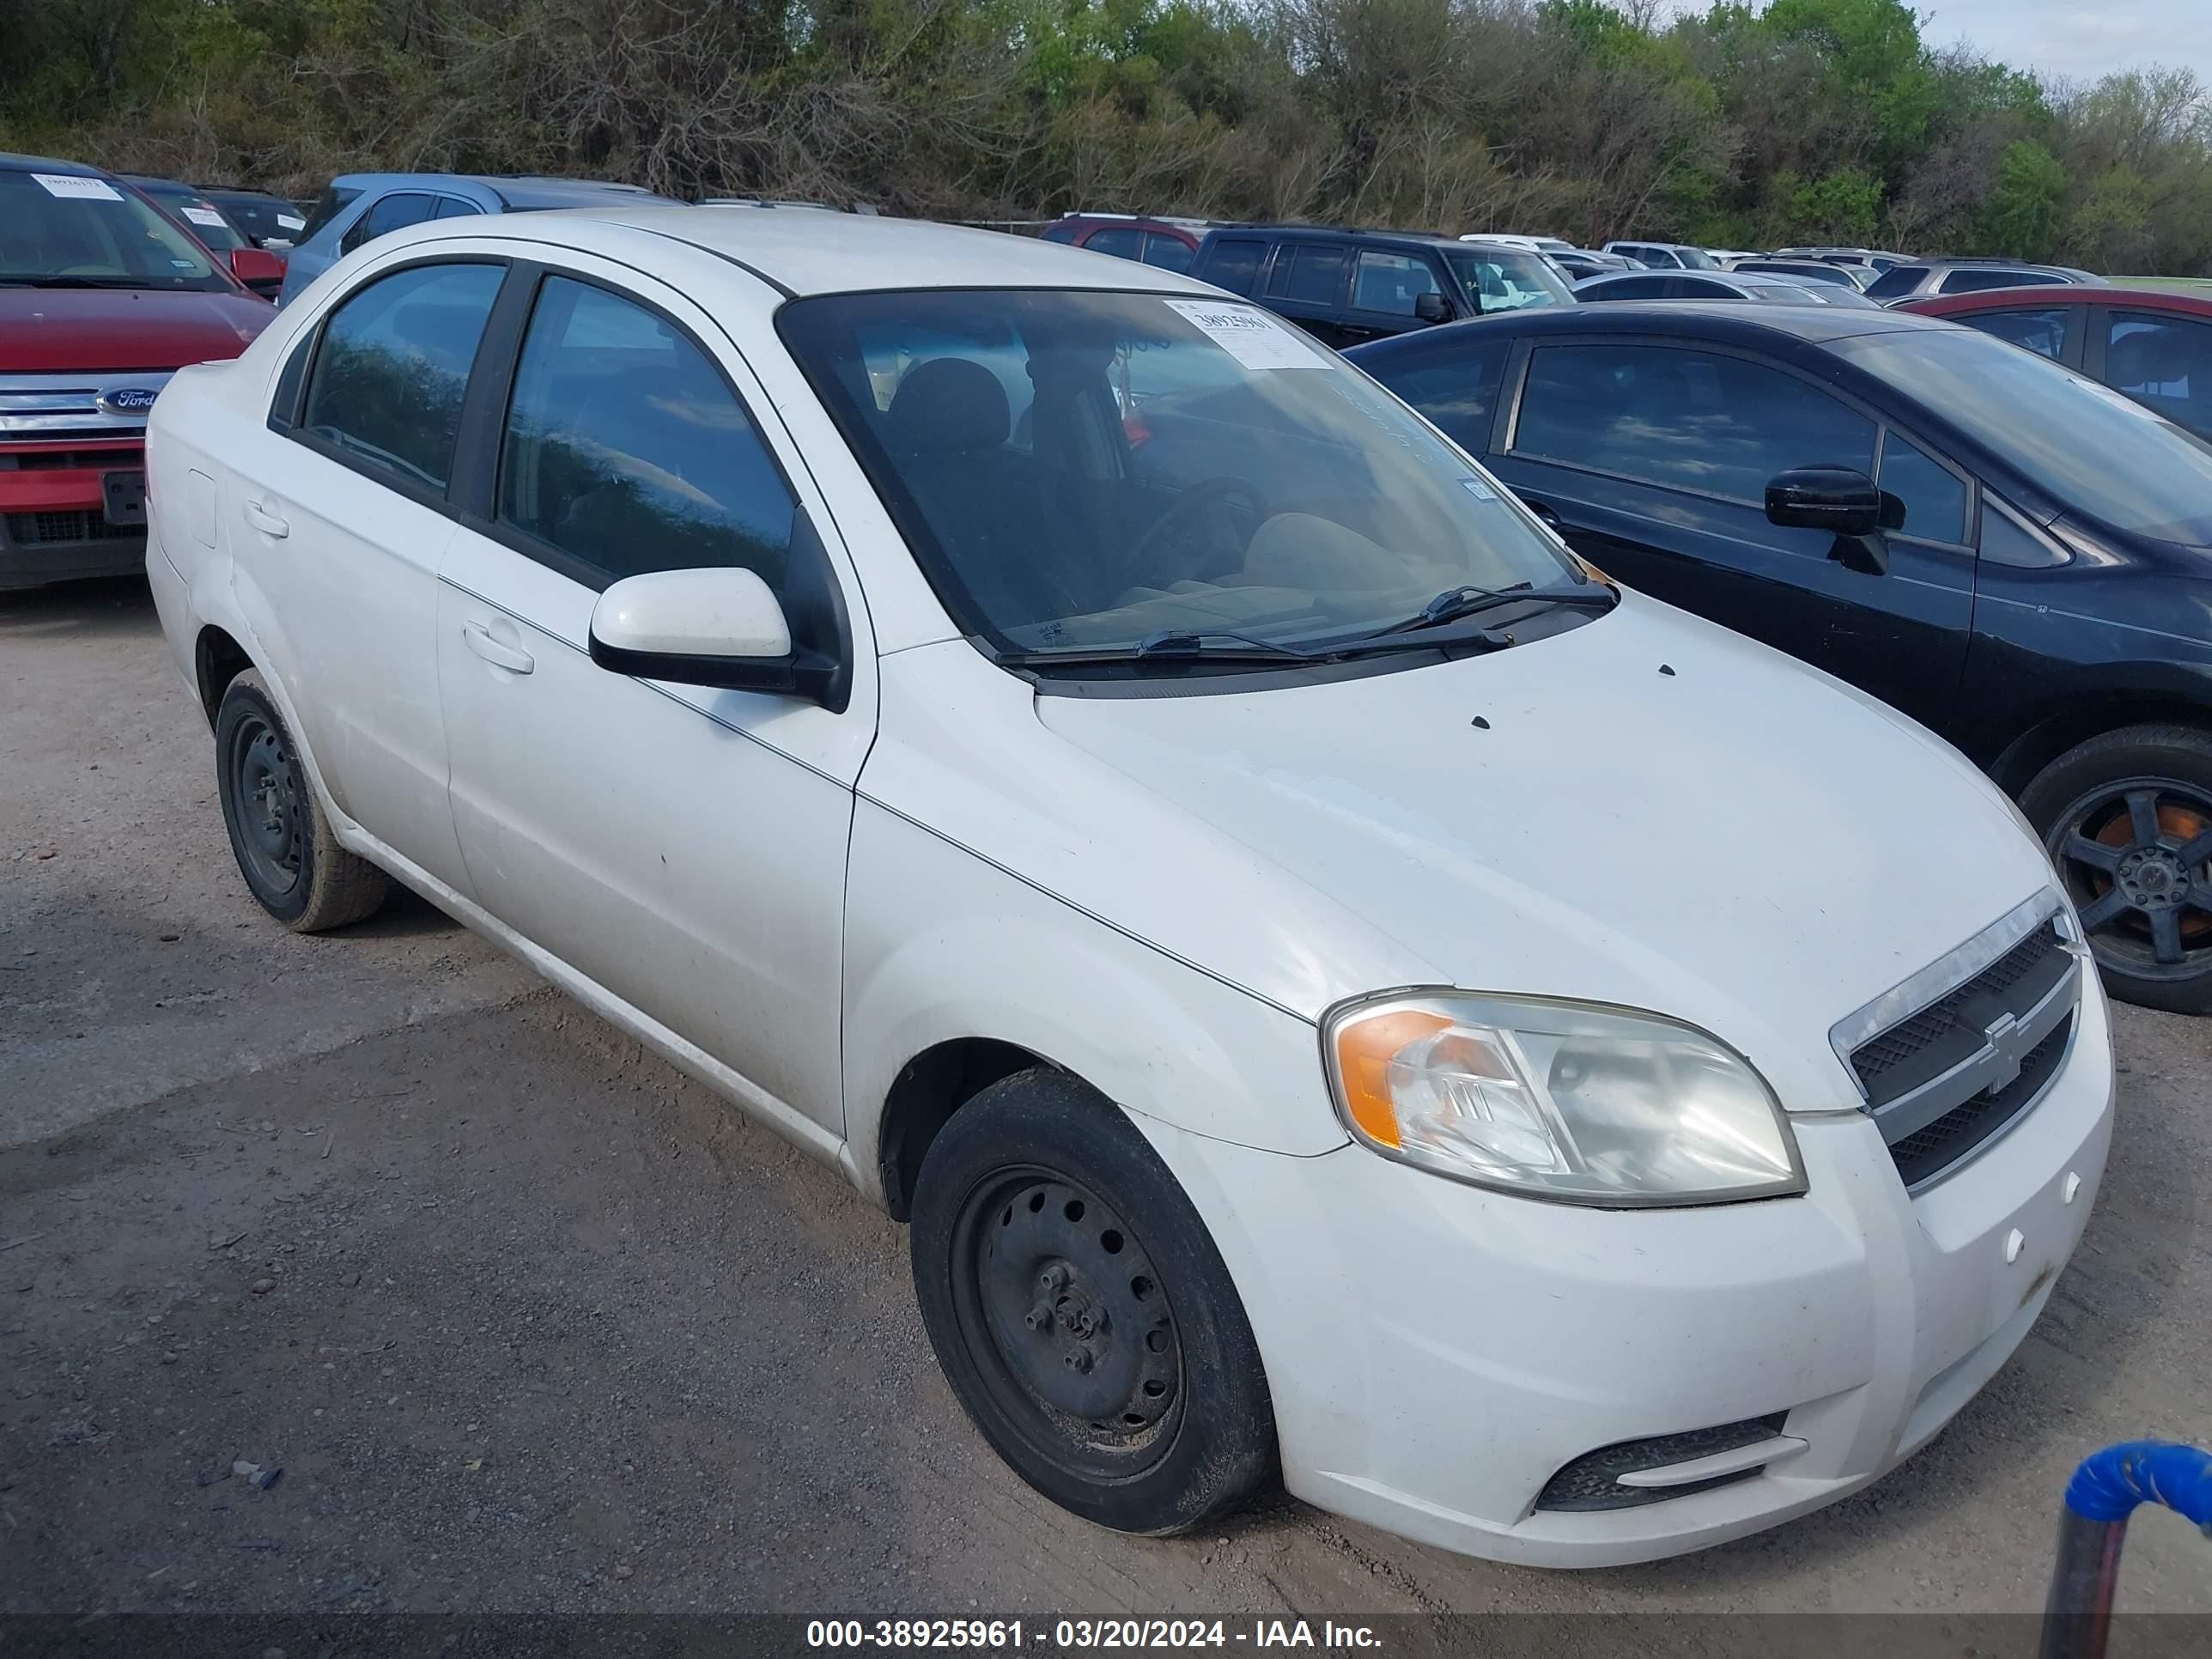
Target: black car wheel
x=2127 y=818
x=279 y=834
x=1082 y=1313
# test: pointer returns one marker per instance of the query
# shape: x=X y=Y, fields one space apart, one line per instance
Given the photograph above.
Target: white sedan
x=1332 y=982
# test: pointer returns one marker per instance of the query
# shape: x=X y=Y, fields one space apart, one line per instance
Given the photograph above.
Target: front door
x=681 y=846
x=1654 y=460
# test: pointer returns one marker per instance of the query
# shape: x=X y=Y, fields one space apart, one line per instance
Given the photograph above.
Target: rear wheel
x=283 y=841
x=1082 y=1313
x=2127 y=817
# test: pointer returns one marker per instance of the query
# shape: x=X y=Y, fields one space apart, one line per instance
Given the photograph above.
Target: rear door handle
x=497 y=652
x=268 y=523
x=1544 y=513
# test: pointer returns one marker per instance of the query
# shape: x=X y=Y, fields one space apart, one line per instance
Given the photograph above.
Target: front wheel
x=1082 y=1313
x=2127 y=818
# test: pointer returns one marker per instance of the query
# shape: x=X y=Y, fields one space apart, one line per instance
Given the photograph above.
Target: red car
x=101 y=297
x=1170 y=243
x=2153 y=345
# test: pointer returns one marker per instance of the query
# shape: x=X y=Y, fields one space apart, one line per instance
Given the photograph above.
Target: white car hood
x=1742 y=843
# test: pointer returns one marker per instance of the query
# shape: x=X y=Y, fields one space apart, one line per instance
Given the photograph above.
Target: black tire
x=1142 y=1299
x=2127 y=818
x=279 y=834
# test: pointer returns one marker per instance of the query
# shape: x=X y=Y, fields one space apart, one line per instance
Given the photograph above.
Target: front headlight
x=1571 y=1102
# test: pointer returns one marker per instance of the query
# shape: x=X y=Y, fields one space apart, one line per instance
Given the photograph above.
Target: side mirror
x=257 y=268
x=1840 y=501
x=1431 y=308
x=719 y=627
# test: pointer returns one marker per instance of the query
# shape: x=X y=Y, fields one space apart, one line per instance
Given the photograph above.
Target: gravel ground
x=529 y=1322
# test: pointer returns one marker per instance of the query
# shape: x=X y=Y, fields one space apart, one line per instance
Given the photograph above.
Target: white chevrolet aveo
x=1332 y=982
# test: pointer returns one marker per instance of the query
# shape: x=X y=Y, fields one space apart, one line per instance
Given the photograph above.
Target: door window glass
x=1167 y=253
x=1234 y=263
x=1691 y=420
x=1310 y=272
x=394 y=365
x=387 y=214
x=332 y=201
x=626 y=450
x=453 y=207
x=1120 y=241
x=1974 y=282
x=1933 y=497
x=1391 y=282
x=2042 y=333
x=1458 y=391
x=2163 y=362
x=1897 y=281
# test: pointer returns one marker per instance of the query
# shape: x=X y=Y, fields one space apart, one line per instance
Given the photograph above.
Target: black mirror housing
x=1836 y=499
x=1433 y=308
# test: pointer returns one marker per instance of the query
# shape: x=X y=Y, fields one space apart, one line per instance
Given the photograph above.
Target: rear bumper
x=53 y=518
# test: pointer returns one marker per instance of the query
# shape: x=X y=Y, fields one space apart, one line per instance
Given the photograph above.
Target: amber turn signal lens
x=1365 y=1049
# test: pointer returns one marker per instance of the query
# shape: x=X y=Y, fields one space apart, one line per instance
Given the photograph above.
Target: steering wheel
x=1201 y=495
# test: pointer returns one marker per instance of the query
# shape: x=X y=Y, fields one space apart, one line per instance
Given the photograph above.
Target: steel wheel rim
x=269 y=804
x=2135 y=857
x=1067 y=1323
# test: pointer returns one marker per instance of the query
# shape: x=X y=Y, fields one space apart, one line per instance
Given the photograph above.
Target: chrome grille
x=69 y=405
x=1955 y=1055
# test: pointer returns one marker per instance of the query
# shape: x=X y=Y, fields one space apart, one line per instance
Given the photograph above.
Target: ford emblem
x=128 y=399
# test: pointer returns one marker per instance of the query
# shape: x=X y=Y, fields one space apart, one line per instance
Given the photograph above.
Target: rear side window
x=626 y=450
x=1391 y=282
x=1167 y=253
x=1897 y=281
x=1310 y=273
x=1974 y=282
x=1057 y=233
x=1933 y=497
x=388 y=213
x=2042 y=333
x=1631 y=288
x=1458 y=393
x=1688 y=420
x=1122 y=242
x=393 y=364
x=1234 y=264
x=333 y=202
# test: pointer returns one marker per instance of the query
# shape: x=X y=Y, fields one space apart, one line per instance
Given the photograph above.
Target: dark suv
x=2005 y=552
x=1344 y=287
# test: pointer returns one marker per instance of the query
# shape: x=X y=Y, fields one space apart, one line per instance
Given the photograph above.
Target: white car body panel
x=1164 y=896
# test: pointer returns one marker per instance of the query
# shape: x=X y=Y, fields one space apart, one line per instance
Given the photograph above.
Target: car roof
x=1347 y=234
x=517 y=191
x=1721 y=322
x=14 y=163
x=149 y=183
x=2061 y=294
x=803 y=253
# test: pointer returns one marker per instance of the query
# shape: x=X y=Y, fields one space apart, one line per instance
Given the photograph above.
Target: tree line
x=1743 y=126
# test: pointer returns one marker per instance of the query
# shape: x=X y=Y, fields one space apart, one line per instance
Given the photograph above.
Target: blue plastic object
x=2110 y=1484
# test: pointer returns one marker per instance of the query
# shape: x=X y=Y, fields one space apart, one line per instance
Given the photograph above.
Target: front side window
x=2042 y=333
x=455 y=207
x=1508 y=279
x=1311 y=273
x=393 y=366
x=1457 y=390
x=1897 y=281
x=69 y=230
x=2164 y=362
x=1167 y=253
x=1391 y=282
x=1688 y=420
x=626 y=450
x=1122 y=242
x=332 y=201
x=1191 y=466
x=1234 y=264
x=1932 y=496
x=1057 y=233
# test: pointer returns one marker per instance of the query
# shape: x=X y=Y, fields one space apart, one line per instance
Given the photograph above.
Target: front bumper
x=1438 y=1352
x=54 y=519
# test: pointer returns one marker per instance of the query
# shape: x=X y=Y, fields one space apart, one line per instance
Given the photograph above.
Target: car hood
x=1646 y=810
x=61 y=331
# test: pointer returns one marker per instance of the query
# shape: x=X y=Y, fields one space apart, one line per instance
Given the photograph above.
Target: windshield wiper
x=1171 y=644
x=1455 y=603
x=71 y=281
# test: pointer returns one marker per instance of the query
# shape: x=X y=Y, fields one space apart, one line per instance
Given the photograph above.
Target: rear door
x=2161 y=359
x=1387 y=285
x=1653 y=460
x=337 y=514
x=1310 y=283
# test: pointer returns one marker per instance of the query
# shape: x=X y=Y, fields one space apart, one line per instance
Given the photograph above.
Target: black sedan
x=2011 y=554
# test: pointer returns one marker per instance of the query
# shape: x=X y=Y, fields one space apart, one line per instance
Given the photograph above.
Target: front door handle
x=497 y=652
x=268 y=523
x=1551 y=520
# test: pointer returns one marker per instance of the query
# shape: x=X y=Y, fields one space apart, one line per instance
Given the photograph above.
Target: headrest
x=948 y=403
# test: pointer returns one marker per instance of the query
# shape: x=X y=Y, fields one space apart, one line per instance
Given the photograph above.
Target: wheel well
x=928 y=1090
x=2036 y=748
x=217 y=659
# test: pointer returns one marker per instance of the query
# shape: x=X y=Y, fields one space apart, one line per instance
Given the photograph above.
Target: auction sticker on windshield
x=70 y=185
x=204 y=217
x=1250 y=335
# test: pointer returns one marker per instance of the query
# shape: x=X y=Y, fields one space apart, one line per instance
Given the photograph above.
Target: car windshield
x=68 y=230
x=1084 y=472
x=202 y=218
x=1697 y=258
x=2101 y=453
x=1508 y=278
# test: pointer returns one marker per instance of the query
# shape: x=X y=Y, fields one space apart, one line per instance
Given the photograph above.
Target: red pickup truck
x=101 y=297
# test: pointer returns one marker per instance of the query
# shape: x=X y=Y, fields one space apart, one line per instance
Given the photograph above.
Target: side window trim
x=2026 y=527
x=1708 y=349
x=438 y=501
x=1972 y=486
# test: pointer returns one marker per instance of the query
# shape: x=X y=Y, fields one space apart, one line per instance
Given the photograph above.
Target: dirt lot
x=530 y=1321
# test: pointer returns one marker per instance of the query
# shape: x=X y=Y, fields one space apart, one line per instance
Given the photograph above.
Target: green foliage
x=1747 y=124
